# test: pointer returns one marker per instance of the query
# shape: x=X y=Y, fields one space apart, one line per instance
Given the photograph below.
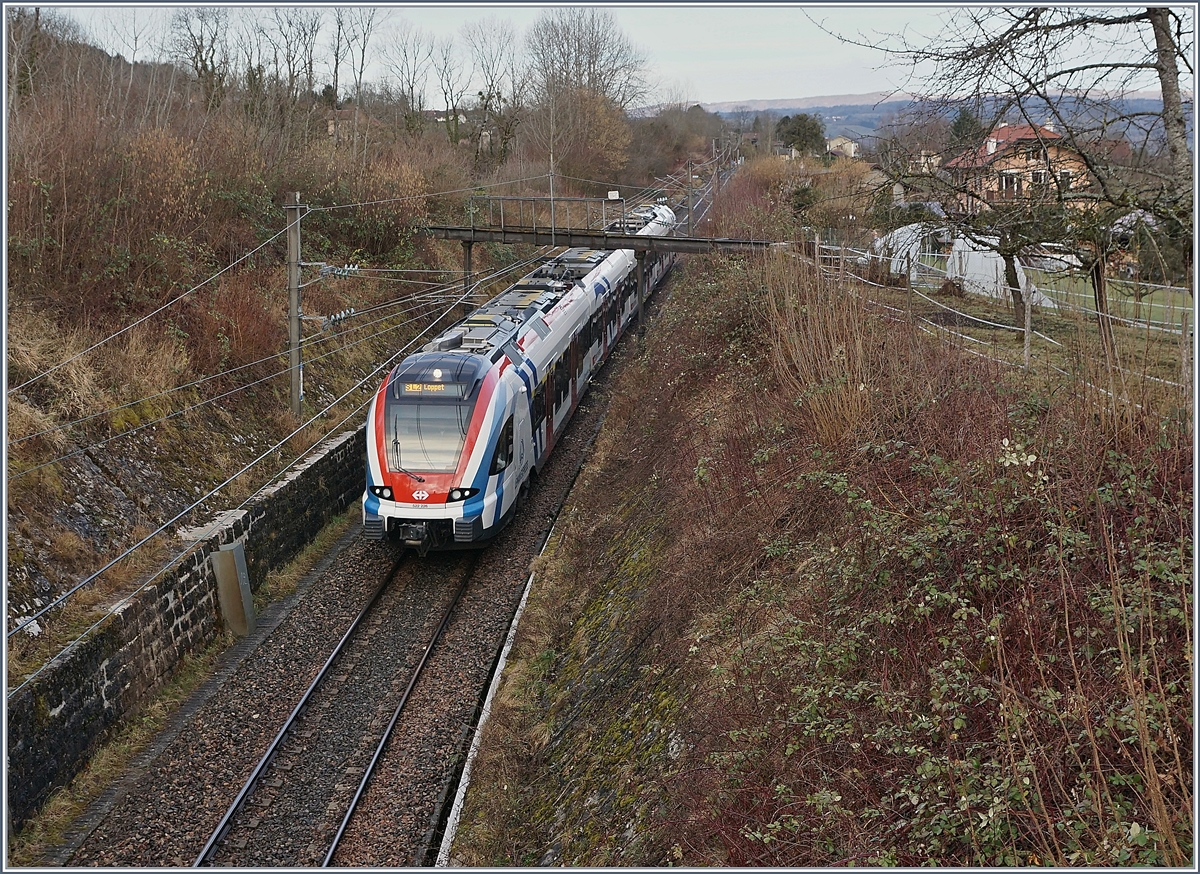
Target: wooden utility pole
x=293 y=210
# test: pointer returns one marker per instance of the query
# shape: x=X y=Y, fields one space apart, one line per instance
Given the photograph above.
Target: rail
x=387 y=732
x=226 y=822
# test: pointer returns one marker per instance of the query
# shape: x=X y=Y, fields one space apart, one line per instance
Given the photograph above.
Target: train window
x=562 y=380
x=539 y=404
x=504 y=449
x=425 y=436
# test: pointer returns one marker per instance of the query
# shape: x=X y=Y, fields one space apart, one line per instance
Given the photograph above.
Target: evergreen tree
x=803 y=132
x=965 y=131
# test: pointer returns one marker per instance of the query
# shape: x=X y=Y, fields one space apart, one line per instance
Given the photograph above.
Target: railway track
x=165 y=809
x=296 y=805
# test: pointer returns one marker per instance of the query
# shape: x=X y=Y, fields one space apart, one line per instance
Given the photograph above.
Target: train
x=456 y=431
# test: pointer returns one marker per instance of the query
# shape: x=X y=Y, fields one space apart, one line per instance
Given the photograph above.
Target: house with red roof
x=1016 y=162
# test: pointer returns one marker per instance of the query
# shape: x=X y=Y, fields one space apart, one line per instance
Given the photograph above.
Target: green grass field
x=1158 y=304
x=1162 y=306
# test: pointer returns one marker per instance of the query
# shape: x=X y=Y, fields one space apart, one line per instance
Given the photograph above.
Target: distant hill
x=856 y=115
x=801 y=104
x=852 y=114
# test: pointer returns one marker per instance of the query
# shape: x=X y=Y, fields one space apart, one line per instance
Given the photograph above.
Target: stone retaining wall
x=56 y=722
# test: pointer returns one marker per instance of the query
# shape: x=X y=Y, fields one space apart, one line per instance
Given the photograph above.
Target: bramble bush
x=977 y=648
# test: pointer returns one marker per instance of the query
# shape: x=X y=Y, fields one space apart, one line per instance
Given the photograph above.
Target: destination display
x=442 y=389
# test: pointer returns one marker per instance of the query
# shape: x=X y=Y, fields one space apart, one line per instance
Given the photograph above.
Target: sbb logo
x=421 y=494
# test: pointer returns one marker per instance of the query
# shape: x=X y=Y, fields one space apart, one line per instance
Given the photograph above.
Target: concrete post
x=689 y=193
x=1185 y=346
x=1028 y=322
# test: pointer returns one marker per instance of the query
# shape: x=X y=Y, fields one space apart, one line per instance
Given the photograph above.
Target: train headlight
x=384 y=492
x=462 y=494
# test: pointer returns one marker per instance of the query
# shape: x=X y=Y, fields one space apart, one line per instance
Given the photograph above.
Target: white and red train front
x=455 y=432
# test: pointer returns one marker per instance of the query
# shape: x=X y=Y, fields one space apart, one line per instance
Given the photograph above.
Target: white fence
x=927 y=272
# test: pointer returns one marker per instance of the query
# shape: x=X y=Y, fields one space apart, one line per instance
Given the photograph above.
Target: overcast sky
x=707 y=53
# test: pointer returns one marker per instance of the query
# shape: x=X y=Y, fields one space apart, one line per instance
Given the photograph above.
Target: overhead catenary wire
x=364 y=269
x=425 y=298
x=260 y=247
x=265 y=454
x=197 y=382
x=358 y=386
x=171 y=563
x=175 y=413
x=66 y=595
x=130 y=327
x=63 y=425
x=332 y=208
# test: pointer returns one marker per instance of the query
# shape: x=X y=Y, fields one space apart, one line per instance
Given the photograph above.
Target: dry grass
x=283 y=582
x=942 y=619
x=1021 y=689
x=819 y=341
x=35 y=344
x=91 y=603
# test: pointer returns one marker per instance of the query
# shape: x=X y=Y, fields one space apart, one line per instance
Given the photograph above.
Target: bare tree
x=1083 y=71
x=292 y=35
x=250 y=62
x=502 y=81
x=360 y=27
x=1083 y=74
x=454 y=80
x=23 y=32
x=201 y=42
x=742 y=116
x=129 y=33
x=584 y=74
x=572 y=47
x=339 y=48
x=407 y=57
x=33 y=38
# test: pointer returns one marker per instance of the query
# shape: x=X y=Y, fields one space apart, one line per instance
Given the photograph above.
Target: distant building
x=842 y=147
x=1016 y=163
x=925 y=162
x=340 y=123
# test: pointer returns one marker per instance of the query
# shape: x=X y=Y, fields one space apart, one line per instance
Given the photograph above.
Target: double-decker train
x=456 y=430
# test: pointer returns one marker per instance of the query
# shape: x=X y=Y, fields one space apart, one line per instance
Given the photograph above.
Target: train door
x=501 y=470
x=538 y=412
x=560 y=397
x=573 y=368
x=524 y=448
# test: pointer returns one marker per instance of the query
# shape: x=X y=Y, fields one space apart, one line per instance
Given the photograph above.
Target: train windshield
x=424 y=436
